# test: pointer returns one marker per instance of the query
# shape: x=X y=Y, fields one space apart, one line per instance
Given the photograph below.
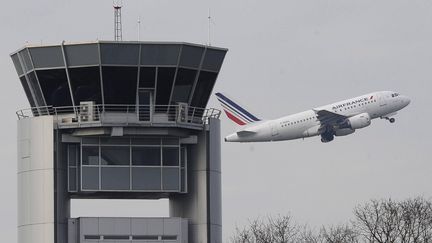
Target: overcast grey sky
x=284 y=57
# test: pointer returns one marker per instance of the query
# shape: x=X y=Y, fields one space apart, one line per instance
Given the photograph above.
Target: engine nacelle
x=313 y=131
x=344 y=131
x=356 y=122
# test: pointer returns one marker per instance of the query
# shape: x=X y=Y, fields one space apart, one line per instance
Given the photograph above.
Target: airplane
x=338 y=119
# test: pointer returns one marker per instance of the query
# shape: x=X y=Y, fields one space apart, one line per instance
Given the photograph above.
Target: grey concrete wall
x=203 y=203
x=35 y=180
x=61 y=196
x=215 y=182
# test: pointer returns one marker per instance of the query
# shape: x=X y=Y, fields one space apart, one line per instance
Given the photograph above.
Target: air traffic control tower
x=119 y=120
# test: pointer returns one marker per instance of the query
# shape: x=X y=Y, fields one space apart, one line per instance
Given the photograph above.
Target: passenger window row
x=288 y=123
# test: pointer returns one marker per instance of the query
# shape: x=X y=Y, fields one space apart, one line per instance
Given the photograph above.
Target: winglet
x=235 y=112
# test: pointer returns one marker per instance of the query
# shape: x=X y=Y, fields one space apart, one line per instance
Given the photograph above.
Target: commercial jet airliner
x=338 y=119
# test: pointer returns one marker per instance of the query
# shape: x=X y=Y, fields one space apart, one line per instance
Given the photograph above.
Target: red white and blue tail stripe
x=235 y=112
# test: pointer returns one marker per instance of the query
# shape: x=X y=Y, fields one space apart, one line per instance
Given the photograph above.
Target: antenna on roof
x=117 y=4
x=139 y=28
x=209 y=30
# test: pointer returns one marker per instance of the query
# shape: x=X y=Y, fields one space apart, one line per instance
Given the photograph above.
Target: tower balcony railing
x=89 y=114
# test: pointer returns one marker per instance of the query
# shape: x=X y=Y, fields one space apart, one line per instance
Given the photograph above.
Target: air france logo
x=349 y=103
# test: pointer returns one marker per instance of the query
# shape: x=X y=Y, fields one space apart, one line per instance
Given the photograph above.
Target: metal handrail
x=126 y=113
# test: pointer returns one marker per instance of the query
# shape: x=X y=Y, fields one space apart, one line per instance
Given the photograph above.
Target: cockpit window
x=395 y=95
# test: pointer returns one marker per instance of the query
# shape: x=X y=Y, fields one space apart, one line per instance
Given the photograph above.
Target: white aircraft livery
x=337 y=119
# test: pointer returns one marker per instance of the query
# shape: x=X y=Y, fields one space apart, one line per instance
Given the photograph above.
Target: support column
x=202 y=205
x=36 y=180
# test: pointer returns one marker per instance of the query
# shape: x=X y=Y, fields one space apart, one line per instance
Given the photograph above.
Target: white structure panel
x=36 y=180
x=37 y=233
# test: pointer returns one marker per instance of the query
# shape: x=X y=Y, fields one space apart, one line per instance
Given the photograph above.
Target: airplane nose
x=406 y=100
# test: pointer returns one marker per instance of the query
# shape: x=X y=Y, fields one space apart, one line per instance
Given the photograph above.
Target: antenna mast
x=117 y=21
x=209 y=30
x=139 y=28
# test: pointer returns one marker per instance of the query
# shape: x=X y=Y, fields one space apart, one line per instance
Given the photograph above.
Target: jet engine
x=327 y=137
x=313 y=131
x=344 y=131
x=356 y=122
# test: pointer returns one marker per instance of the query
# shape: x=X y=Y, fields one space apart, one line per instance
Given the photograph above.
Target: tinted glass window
x=55 y=87
x=26 y=60
x=118 y=53
x=183 y=156
x=116 y=237
x=115 y=155
x=27 y=91
x=145 y=237
x=146 y=178
x=203 y=89
x=90 y=140
x=170 y=156
x=72 y=179
x=90 y=155
x=170 y=141
x=183 y=180
x=91 y=237
x=159 y=54
x=170 y=178
x=114 y=140
x=115 y=178
x=120 y=85
x=146 y=141
x=90 y=178
x=44 y=57
x=183 y=85
x=85 y=84
x=169 y=237
x=191 y=56
x=73 y=155
x=36 y=89
x=147 y=77
x=17 y=64
x=144 y=102
x=79 y=55
x=213 y=59
x=164 y=85
x=150 y=156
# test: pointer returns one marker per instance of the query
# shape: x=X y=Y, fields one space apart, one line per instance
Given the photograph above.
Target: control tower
x=119 y=120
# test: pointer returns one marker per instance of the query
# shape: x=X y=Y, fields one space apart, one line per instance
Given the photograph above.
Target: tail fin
x=235 y=112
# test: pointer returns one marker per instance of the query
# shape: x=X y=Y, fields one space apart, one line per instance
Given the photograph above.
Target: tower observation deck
x=119 y=120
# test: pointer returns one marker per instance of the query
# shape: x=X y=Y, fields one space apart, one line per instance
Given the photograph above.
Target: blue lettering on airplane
x=349 y=103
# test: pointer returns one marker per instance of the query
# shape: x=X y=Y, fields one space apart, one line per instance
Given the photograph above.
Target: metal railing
x=91 y=114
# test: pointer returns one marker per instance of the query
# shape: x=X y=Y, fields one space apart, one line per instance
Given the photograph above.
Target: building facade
x=119 y=120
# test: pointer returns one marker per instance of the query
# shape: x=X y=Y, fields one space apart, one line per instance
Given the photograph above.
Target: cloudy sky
x=284 y=57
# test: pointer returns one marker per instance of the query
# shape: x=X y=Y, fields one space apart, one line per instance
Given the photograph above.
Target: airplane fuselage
x=304 y=124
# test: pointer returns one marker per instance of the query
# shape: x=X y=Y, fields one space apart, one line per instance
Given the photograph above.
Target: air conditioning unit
x=87 y=111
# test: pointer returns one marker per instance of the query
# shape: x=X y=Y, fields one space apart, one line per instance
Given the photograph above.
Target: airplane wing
x=329 y=119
